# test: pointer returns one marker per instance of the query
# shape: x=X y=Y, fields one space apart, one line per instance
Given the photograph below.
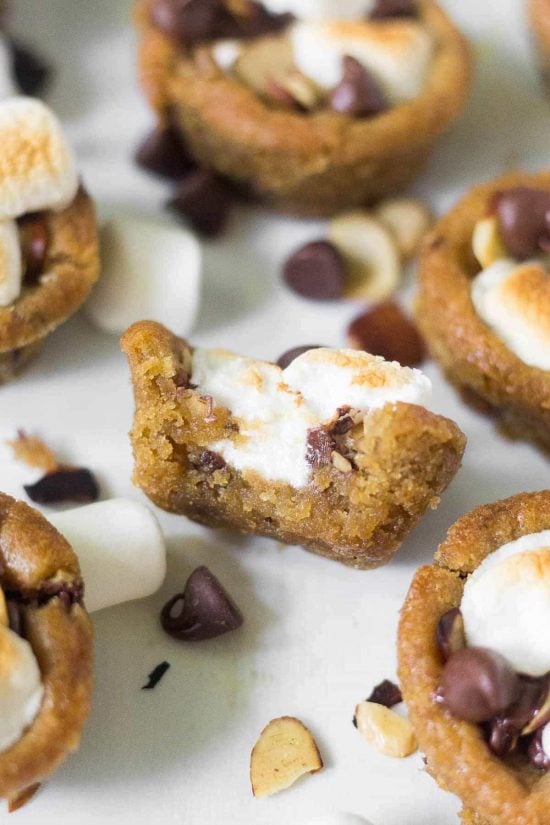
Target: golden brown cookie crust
x=72 y=267
x=360 y=519
x=494 y=791
x=33 y=552
x=309 y=165
x=470 y=354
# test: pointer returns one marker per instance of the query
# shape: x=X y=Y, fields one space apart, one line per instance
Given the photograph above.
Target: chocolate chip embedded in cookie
x=486 y=698
x=336 y=452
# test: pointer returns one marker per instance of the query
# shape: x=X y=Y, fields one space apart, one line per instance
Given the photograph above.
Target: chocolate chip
x=163 y=152
x=35 y=238
x=204 y=200
x=504 y=731
x=63 y=485
x=344 y=423
x=394 y=8
x=450 y=633
x=524 y=220
x=255 y=21
x=15 y=616
x=477 y=684
x=209 y=462
x=358 y=93
x=202 y=611
x=316 y=270
x=188 y=21
x=291 y=354
x=502 y=736
x=319 y=447
x=156 y=675
x=386 y=693
x=32 y=72
x=385 y=330
x=537 y=755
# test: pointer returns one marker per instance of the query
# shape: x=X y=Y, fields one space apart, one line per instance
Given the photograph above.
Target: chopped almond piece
x=389 y=733
x=486 y=241
x=285 y=751
x=408 y=220
x=33 y=451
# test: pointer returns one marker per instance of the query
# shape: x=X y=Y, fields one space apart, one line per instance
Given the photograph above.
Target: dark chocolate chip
x=502 y=736
x=477 y=684
x=15 y=617
x=394 y=8
x=32 y=73
x=35 y=238
x=163 y=152
x=524 y=220
x=291 y=354
x=188 y=21
x=156 y=675
x=316 y=270
x=344 y=422
x=202 y=611
x=537 y=755
x=63 y=485
x=254 y=22
x=209 y=462
x=505 y=729
x=385 y=330
x=358 y=94
x=450 y=633
x=319 y=447
x=204 y=200
x=386 y=693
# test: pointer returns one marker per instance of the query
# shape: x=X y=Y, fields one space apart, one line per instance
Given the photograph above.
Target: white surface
x=121 y=550
x=316 y=636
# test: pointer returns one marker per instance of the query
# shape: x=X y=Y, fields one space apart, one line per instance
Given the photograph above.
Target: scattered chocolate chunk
x=524 y=220
x=209 y=462
x=63 y=485
x=358 y=94
x=387 y=693
x=477 y=684
x=188 y=21
x=291 y=354
x=450 y=633
x=523 y=717
x=394 y=8
x=35 y=238
x=164 y=153
x=32 y=72
x=537 y=755
x=202 y=611
x=385 y=330
x=156 y=675
x=316 y=270
x=344 y=423
x=319 y=447
x=204 y=200
x=22 y=798
x=502 y=736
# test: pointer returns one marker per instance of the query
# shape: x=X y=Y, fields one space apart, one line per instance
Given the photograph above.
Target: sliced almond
x=341 y=462
x=370 y=253
x=487 y=244
x=285 y=751
x=301 y=89
x=541 y=717
x=268 y=59
x=408 y=220
x=389 y=733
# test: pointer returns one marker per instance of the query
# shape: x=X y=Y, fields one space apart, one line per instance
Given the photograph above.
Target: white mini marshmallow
x=120 y=547
x=37 y=169
x=226 y=53
x=506 y=603
x=321 y=9
x=276 y=408
x=338 y=819
x=11 y=265
x=7 y=83
x=151 y=271
x=513 y=299
x=21 y=688
x=399 y=55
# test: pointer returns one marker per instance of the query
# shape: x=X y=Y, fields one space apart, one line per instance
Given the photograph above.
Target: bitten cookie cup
x=477 y=358
x=494 y=790
x=44 y=625
x=308 y=163
x=354 y=487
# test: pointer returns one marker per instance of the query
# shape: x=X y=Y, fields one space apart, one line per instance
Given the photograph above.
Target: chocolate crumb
x=387 y=693
x=210 y=461
x=204 y=200
x=203 y=611
x=319 y=447
x=156 y=675
x=164 y=153
x=344 y=422
x=64 y=485
x=32 y=72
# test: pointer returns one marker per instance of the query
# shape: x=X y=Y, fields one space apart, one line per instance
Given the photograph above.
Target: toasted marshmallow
x=275 y=408
x=7 y=82
x=21 y=688
x=514 y=301
x=506 y=603
x=120 y=548
x=150 y=270
x=321 y=9
x=37 y=169
x=397 y=55
x=11 y=266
